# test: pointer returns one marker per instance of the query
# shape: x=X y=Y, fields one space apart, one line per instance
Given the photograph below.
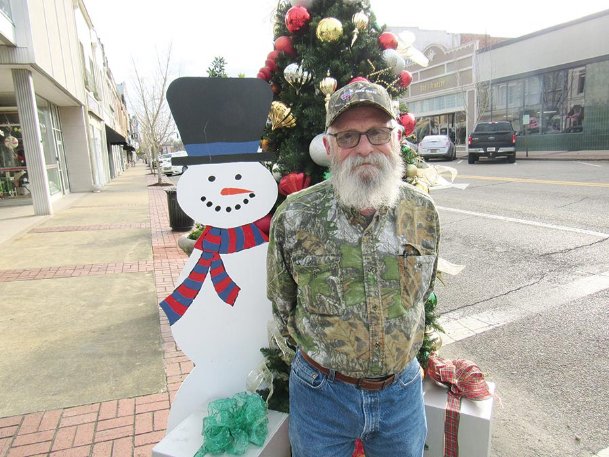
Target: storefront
x=15 y=180
x=556 y=98
x=441 y=95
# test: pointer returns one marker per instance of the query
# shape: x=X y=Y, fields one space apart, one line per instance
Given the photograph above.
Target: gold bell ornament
x=328 y=87
x=281 y=116
x=329 y=29
x=360 y=20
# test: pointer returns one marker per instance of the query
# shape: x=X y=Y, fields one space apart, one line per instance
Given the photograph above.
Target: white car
x=439 y=146
x=170 y=169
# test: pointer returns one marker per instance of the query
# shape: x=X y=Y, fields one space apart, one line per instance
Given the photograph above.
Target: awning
x=114 y=137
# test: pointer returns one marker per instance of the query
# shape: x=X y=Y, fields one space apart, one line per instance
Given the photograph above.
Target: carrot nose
x=234 y=191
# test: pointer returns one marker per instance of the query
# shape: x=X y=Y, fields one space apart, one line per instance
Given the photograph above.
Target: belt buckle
x=381 y=384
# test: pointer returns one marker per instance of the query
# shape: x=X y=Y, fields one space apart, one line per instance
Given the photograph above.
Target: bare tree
x=152 y=110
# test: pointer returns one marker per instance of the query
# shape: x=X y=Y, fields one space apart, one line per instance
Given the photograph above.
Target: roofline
x=544 y=31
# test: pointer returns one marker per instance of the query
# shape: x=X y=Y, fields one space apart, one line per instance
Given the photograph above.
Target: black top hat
x=220 y=119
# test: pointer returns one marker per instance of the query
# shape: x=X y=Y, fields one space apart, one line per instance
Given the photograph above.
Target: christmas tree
x=321 y=45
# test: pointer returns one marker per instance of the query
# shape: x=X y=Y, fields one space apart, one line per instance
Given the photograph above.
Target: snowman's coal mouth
x=228 y=209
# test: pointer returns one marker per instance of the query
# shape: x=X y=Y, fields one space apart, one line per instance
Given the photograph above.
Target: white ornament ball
x=306 y=3
x=317 y=151
x=394 y=60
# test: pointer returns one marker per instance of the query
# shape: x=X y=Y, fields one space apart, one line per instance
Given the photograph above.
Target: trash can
x=178 y=219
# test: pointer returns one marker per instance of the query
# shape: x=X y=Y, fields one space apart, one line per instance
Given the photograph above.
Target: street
x=530 y=307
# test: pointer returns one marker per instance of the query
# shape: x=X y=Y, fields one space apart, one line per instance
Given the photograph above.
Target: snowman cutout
x=219 y=310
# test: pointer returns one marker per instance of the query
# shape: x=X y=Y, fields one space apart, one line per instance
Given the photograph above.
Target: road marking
x=526 y=222
x=457 y=326
x=537 y=181
x=590 y=164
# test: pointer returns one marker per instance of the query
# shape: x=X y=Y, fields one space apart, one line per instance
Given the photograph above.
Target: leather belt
x=362 y=383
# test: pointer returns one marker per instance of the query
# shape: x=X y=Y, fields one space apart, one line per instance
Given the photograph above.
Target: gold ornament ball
x=411 y=170
x=329 y=29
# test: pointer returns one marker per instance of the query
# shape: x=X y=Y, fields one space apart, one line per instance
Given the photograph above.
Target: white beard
x=368 y=186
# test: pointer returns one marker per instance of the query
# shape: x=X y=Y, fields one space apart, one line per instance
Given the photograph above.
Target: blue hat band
x=222 y=148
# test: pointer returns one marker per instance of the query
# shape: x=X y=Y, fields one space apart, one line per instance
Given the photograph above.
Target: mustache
x=371 y=159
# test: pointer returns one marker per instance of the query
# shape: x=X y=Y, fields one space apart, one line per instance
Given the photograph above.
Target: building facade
x=552 y=85
x=64 y=122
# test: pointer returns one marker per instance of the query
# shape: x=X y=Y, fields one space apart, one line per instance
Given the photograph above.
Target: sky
x=135 y=32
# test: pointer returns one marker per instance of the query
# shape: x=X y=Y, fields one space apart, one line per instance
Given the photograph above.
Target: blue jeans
x=327 y=415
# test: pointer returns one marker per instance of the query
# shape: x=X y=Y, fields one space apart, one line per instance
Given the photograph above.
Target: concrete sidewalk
x=89 y=366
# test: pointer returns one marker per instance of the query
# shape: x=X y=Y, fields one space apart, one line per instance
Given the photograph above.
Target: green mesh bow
x=233 y=423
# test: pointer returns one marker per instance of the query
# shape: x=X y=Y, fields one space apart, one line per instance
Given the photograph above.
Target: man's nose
x=364 y=147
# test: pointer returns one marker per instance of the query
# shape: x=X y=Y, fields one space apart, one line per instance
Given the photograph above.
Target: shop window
x=13 y=171
x=576 y=83
x=554 y=99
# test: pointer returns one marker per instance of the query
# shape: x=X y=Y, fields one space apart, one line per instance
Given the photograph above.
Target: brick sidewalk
x=117 y=428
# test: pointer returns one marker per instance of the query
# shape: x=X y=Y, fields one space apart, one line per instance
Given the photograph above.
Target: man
x=350 y=264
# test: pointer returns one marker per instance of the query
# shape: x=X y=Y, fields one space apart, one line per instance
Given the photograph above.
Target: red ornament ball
x=284 y=44
x=405 y=78
x=271 y=65
x=388 y=40
x=273 y=55
x=264 y=73
x=357 y=79
x=408 y=121
x=276 y=88
x=296 y=18
x=293 y=182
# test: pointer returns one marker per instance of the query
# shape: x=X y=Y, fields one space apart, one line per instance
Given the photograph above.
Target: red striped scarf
x=212 y=242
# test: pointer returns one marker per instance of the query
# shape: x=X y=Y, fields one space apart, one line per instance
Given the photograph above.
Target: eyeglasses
x=350 y=138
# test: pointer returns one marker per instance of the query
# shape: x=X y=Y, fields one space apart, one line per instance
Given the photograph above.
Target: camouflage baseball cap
x=357 y=94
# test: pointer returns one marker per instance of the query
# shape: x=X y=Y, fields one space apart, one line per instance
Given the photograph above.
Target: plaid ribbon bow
x=212 y=242
x=464 y=379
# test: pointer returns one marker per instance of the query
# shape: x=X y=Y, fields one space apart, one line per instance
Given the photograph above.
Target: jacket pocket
x=416 y=270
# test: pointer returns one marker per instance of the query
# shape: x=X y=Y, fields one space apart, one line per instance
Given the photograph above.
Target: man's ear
x=326 y=144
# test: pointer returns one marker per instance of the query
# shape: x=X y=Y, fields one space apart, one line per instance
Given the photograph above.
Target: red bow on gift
x=464 y=379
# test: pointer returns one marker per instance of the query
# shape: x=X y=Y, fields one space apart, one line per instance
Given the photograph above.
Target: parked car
x=491 y=140
x=167 y=166
x=437 y=146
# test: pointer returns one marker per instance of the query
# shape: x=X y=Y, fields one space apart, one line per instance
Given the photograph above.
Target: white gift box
x=474 y=422
x=186 y=439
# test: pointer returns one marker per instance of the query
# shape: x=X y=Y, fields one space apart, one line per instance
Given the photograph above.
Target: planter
x=186 y=244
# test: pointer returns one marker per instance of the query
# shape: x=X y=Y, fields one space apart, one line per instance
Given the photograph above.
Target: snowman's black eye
x=211 y=178
x=238 y=177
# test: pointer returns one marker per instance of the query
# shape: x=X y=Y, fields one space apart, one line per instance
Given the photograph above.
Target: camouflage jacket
x=348 y=294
